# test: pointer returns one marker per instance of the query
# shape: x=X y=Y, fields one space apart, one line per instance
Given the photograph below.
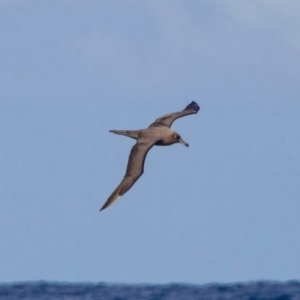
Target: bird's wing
x=168 y=119
x=135 y=169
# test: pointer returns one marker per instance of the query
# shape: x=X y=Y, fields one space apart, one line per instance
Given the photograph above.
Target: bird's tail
x=130 y=133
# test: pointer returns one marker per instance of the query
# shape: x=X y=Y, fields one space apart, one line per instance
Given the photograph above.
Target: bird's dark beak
x=181 y=141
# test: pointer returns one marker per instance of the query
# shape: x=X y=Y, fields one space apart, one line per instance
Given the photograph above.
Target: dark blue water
x=68 y=291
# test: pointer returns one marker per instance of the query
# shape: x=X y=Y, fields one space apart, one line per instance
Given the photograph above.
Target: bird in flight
x=157 y=134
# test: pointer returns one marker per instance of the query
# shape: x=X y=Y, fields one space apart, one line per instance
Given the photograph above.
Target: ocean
x=262 y=290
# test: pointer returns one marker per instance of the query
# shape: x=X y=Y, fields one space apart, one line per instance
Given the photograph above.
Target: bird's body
x=159 y=134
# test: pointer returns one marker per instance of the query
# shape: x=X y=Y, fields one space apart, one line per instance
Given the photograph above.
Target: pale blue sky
x=225 y=209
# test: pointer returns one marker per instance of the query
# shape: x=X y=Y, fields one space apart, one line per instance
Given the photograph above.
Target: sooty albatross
x=158 y=133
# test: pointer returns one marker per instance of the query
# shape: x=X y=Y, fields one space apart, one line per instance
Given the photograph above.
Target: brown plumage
x=159 y=134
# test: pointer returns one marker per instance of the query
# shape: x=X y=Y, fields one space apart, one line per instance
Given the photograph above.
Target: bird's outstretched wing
x=135 y=169
x=168 y=119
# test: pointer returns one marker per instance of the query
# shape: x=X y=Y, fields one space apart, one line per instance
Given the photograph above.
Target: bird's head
x=176 y=138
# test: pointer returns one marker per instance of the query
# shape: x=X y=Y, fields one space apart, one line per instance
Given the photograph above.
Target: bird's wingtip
x=110 y=201
x=194 y=106
x=105 y=205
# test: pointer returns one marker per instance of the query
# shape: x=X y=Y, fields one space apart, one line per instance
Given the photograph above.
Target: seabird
x=159 y=134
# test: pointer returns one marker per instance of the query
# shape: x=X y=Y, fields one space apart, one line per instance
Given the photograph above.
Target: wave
x=261 y=290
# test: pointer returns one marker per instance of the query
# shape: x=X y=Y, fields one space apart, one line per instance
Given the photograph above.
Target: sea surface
x=263 y=290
